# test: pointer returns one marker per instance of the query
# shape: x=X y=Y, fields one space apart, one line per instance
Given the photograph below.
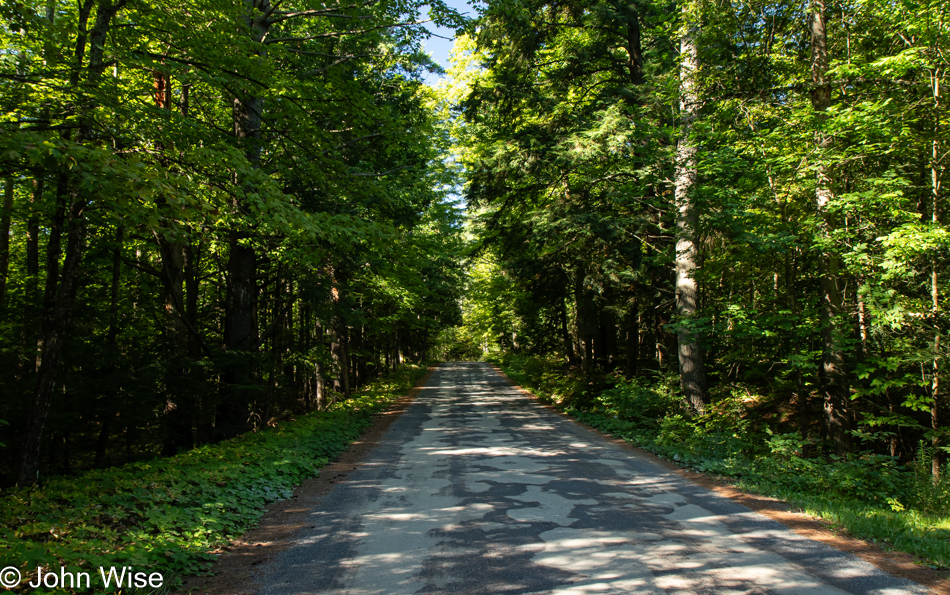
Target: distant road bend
x=478 y=489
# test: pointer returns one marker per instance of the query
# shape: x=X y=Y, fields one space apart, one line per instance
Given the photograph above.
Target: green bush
x=644 y=406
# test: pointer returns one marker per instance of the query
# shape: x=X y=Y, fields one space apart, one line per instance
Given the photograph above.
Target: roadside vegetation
x=170 y=515
x=872 y=496
x=720 y=231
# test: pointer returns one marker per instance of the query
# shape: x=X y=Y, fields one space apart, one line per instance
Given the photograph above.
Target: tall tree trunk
x=176 y=422
x=114 y=287
x=606 y=338
x=634 y=47
x=240 y=336
x=936 y=171
x=338 y=351
x=692 y=366
x=32 y=290
x=60 y=292
x=360 y=356
x=319 y=384
x=53 y=335
x=833 y=379
x=633 y=340
x=566 y=337
x=107 y=413
x=388 y=354
x=6 y=214
x=192 y=287
x=240 y=328
x=33 y=239
x=586 y=318
x=635 y=69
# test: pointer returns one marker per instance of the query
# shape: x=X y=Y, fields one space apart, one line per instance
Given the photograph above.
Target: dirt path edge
x=234 y=571
x=893 y=562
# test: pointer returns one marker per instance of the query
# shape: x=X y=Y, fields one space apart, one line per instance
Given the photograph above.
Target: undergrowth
x=169 y=515
x=869 y=495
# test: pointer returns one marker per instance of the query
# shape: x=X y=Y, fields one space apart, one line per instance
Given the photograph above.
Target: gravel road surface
x=478 y=489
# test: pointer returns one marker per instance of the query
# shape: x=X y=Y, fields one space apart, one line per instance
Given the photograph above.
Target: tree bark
x=832 y=378
x=936 y=171
x=319 y=385
x=338 y=351
x=606 y=338
x=634 y=48
x=566 y=337
x=107 y=414
x=692 y=366
x=176 y=422
x=33 y=237
x=53 y=335
x=240 y=337
x=240 y=329
x=6 y=214
x=360 y=356
x=32 y=290
x=633 y=340
x=586 y=318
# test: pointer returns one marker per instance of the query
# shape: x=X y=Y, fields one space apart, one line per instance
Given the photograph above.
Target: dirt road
x=478 y=489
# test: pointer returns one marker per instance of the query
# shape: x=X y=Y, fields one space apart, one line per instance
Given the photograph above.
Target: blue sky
x=439 y=48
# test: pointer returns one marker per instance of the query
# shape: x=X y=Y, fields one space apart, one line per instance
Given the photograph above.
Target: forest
x=717 y=229
x=728 y=221
x=213 y=216
x=747 y=196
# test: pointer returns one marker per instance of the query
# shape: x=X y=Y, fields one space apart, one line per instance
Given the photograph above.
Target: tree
x=691 y=361
x=197 y=178
x=804 y=175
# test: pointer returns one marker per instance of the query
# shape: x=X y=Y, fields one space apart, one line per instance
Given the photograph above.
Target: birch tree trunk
x=691 y=361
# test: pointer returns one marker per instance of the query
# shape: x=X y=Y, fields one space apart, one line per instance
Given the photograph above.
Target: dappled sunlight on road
x=480 y=490
x=497 y=451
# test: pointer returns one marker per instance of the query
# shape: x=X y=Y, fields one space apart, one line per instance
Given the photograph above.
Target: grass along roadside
x=169 y=515
x=870 y=496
